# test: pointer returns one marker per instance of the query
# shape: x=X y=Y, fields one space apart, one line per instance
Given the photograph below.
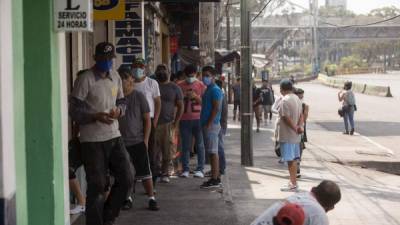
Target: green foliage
x=332 y=11
x=352 y=62
x=385 y=12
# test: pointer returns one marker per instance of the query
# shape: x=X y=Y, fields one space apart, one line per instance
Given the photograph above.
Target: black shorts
x=236 y=105
x=140 y=160
x=74 y=157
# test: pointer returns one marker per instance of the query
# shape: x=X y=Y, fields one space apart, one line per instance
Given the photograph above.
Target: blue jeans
x=221 y=151
x=348 y=117
x=188 y=130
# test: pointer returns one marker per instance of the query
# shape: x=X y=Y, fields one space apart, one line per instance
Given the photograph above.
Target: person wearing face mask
x=168 y=123
x=96 y=103
x=210 y=118
x=150 y=89
x=189 y=126
x=135 y=128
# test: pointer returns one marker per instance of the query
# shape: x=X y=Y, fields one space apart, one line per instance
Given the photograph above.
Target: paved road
x=377 y=118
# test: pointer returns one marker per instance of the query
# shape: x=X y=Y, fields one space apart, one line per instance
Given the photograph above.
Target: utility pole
x=315 y=36
x=228 y=28
x=206 y=33
x=246 y=101
x=228 y=47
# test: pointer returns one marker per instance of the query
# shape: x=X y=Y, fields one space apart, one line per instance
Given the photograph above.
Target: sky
x=357 y=6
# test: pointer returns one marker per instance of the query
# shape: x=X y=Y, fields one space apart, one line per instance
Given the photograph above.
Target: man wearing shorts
x=290 y=128
x=210 y=121
x=135 y=128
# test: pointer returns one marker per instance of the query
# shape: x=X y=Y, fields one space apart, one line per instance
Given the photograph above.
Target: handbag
x=340 y=112
x=278 y=149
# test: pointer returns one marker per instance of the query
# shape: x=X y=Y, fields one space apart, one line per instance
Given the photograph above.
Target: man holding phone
x=97 y=101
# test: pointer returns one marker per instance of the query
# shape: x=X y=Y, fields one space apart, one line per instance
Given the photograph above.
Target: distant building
x=336 y=3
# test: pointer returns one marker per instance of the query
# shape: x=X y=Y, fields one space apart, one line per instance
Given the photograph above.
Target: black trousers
x=100 y=159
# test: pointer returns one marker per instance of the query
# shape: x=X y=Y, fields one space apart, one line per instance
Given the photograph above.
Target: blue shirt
x=213 y=93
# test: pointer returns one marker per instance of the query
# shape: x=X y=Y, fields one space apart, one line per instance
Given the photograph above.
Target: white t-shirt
x=149 y=88
x=314 y=213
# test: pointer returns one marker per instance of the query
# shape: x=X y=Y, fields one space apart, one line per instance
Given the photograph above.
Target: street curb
x=227 y=191
x=375 y=90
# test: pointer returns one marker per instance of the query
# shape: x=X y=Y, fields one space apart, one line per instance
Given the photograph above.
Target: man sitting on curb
x=315 y=204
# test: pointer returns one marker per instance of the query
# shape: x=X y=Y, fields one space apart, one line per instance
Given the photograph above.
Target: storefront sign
x=109 y=9
x=129 y=38
x=73 y=15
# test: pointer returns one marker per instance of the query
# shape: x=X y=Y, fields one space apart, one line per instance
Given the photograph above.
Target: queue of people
x=127 y=124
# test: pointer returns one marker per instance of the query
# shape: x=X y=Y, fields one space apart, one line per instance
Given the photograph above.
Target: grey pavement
x=369 y=197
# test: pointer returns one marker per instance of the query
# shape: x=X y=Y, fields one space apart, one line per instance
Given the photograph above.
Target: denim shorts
x=210 y=136
x=289 y=151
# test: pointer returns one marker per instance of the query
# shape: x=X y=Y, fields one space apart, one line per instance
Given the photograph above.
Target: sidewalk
x=368 y=197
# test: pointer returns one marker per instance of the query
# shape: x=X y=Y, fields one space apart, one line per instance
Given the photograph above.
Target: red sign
x=173 y=44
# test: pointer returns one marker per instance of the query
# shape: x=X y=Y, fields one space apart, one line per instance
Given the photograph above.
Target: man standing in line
x=290 y=128
x=210 y=122
x=149 y=88
x=135 y=127
x=222 y=132
x=236 y=99
x=171 y=113
x=267 y=100
x=189 y=126
x=97 y=101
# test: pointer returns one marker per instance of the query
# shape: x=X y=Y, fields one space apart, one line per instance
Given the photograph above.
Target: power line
x=259 y=13
x=361 y=25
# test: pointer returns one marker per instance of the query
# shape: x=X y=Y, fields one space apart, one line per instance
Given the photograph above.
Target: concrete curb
x=368 y=89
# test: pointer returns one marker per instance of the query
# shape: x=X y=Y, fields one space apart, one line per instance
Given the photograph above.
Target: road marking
x=387 y=150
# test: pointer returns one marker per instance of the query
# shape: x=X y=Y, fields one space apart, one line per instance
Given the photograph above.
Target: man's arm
x=78 y=110
x=214 y=111
x=179 y=112
x=157 y=110
x=146 y=128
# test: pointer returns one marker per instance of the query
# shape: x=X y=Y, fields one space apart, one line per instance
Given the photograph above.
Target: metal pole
x=316 y=56
x=228 y=29
x=246 y=100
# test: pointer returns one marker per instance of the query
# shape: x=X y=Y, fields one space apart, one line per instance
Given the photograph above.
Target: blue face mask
x=207 y=80
x=104 y=65
x=138 y=73
x=190 y=80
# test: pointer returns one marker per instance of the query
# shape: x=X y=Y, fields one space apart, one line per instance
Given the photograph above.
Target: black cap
x=105 y=49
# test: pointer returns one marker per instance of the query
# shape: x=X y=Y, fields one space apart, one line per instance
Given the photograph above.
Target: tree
x=385 y=12
x=332 y=11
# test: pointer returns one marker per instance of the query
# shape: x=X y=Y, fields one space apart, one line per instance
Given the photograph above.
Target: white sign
x=73 y=15
x=129 y=37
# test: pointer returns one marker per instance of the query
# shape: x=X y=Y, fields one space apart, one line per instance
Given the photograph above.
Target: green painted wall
x=19 y=115
x=42 y=115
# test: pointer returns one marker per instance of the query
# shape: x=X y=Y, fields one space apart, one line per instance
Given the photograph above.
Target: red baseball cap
x=290 y=214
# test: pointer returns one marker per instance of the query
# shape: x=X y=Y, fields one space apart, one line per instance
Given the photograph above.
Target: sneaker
x=345 y=132
x=351 y=131
x=127 y=204
x=290 y=188
x=211 y=183
x=164 y=179
x=185 y=174
x=198 y=174
x=153 y=206
x=207 y=174
x=77 y=210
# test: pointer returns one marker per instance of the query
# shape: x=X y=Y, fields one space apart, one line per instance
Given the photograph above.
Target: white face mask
x=190 y=80
x=138 y=73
